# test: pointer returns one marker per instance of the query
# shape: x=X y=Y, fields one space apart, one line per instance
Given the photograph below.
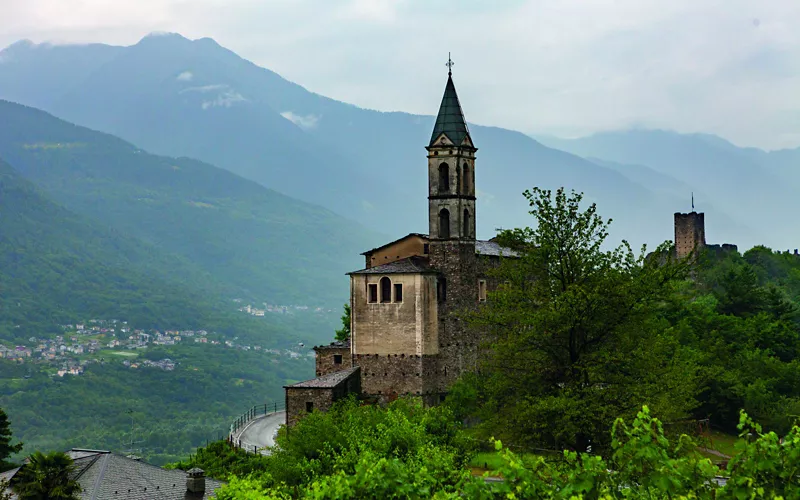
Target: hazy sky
x=561 y=67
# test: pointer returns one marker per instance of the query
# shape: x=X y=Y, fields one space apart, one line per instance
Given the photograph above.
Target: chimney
x=196 y=481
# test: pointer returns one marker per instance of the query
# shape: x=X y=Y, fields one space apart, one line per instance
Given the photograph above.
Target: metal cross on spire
x=449 y=65
x=692 y=201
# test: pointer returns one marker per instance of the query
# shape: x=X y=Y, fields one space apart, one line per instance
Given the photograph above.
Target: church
x=407 y=336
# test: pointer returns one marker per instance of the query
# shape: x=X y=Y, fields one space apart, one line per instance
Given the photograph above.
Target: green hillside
x=57 y=267
x=261 y=245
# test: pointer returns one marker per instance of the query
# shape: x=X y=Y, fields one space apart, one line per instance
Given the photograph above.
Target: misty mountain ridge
x=252 y=242
x=179 y=97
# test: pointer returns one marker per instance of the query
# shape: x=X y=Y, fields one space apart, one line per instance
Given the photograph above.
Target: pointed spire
x=450 y=120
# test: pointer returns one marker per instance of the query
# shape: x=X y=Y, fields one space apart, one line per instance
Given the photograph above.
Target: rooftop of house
x=409 y=265
x=105 y=475
x=482 y=247
x=328 y=381
x=337 y=344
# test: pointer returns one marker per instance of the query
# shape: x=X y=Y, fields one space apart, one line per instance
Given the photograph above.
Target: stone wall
x=458 y=344
x=392 y=375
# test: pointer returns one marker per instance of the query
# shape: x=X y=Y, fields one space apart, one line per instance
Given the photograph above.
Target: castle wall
x=409 y=327
x=393 y=375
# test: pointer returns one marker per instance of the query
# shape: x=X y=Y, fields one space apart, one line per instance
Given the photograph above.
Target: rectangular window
x=398 y=292
x=372 y=293
x=441 y=290
x=337 y=359
x=482 y=290
x=309 y=406
x=426 y=248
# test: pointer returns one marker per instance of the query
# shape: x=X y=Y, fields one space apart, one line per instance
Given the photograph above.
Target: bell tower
x=451 y=229
x=451 y=172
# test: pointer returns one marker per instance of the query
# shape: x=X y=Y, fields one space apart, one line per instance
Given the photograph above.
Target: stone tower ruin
x=690 y=233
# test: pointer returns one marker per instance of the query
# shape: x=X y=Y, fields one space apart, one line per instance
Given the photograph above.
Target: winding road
x=259 y=433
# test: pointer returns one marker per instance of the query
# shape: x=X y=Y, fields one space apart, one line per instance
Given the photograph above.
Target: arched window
x=467 y=226
x=444 y=178
x=467 y=181
x=386 y=290
x=444 y=223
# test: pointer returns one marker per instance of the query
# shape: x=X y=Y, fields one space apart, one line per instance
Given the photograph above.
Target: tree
x=46 y=477
x=574 y=335
x=344 y=333
x=6 y=448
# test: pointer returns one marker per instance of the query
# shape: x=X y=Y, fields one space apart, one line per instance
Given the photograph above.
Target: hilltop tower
x=690 y=233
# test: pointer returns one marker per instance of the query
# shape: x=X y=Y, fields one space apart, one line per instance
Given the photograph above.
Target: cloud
x=186 y=76
x=560 y=67
x=305 y=122
x=224 y=100
x=205 y=88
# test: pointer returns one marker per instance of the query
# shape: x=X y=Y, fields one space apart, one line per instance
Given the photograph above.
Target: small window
x=337 y=359
x=309 y=406
x=386 y=290
x=482 y=290
x=441 y=289
x=444 y=178
x=466 y=180
x=372 y=293
x=444 y=223
x=426 y=248
x=467 y=225
x=398 y=292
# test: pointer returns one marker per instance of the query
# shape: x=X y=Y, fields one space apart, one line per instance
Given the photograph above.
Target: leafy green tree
x=47 y=477
x=6 y=448
x=344 y=333
x=575 y=336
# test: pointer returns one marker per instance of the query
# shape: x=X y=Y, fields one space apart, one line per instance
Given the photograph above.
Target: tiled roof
x=338 y=344
x=402 y=266
x=104 y=475
x=450 y=120
x=494 y=249
x=328 y=381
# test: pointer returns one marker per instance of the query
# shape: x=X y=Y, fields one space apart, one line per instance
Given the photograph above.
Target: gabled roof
x=450 y=120
x=409 y=235
x=328 y=381
x=409 y=265
x=105 y=475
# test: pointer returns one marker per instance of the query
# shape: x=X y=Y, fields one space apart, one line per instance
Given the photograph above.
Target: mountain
x=754 y=187
x=255 y=242
x=57 y=267
x=181 y=97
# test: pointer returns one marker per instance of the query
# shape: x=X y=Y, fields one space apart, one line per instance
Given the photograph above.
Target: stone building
x=690 y=236
x=406 y=335
x=690 y=233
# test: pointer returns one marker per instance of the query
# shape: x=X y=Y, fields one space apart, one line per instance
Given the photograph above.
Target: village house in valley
x=405 y=336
